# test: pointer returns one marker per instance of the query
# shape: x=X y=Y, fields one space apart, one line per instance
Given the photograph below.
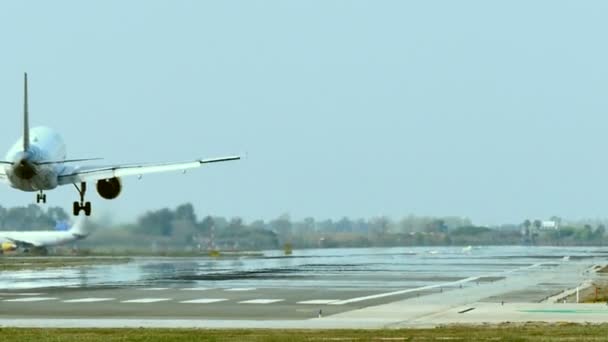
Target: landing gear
x=41 y=197
x=82 y=205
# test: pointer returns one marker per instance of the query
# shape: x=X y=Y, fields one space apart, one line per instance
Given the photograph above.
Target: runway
x=317 y=289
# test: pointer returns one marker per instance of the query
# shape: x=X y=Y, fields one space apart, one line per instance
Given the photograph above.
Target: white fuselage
x=26 y=173
x=41 y=238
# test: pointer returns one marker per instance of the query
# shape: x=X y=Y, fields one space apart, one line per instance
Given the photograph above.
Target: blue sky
x=491 y=110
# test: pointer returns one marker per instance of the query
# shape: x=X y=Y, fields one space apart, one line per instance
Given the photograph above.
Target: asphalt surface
x=326 y=292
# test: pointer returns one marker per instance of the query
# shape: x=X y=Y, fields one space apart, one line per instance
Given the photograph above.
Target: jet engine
x=109 y=188
x=7 y=247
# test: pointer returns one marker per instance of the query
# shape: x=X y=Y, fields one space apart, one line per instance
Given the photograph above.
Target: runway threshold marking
x=146 y=300
x=239 y=289
x=261 y=301
x=30 y=299
x=318 y=301
x=394 y=293
x=154 y=288
x=88 y=300
x=204 y=300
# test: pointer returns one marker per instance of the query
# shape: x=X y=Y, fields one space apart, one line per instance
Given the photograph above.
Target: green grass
x=508 y=332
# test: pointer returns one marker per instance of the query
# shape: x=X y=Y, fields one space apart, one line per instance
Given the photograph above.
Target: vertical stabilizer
x=78 y=229
x=26 y=120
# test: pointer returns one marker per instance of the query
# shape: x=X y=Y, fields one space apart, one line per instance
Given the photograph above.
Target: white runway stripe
x=21 y=294
x=30 y=299
x=239 y=289
x=146 y=300
x=88 y=300
x=154 y=288
x=318 y=301
x=204 y=300
x=196 y=289
x=387 y=294
x=261 y=301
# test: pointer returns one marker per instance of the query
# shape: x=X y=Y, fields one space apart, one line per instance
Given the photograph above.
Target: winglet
x=26 y=121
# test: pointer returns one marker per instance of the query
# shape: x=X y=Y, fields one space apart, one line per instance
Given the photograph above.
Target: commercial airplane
x=37 y=162
x=26 y=240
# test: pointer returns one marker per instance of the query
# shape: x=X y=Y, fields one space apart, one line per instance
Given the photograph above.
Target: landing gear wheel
x=41 y=197
x=86 y=207
x=82 y=205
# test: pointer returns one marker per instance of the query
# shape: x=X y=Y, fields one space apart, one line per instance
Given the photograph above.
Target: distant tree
x=470 y=230
x=584 y=234
x=309 y=224
x=344 y=225
x=283 y=228
x=57 y=214
x=379 y=226
x=185 y=212
x=556 y=219
x=538 y=224
x=437 y=226
x=600 y=231
x=205 y=226
x=257 y=224
x=157 y=222
x=236 y=224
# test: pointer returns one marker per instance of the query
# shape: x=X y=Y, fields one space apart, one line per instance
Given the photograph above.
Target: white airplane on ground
x=37 y=162
x=40 y=239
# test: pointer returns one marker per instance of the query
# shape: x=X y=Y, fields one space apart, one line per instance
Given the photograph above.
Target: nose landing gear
x=82 y=205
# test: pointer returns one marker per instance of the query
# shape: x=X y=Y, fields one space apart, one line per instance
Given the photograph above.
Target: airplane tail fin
x=78 y=228
x=26 y=120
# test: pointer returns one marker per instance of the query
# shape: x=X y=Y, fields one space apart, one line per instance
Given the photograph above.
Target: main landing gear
x=82 y=205
x=41 y=197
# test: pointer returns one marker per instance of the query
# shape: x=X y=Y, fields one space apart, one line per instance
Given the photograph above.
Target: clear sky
x=495 y=110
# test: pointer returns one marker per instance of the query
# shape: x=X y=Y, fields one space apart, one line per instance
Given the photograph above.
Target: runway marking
x=195 y=289
x=261 y=301
x=154 y=288
x=88 y=300
x=30 y=299
x=318 y=301
x=21 y=294
x=394 y=293
x=146 y=300
x=204 y=300
x=239 y=289
x=524 y=268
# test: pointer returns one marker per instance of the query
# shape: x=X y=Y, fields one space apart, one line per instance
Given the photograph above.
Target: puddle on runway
x=382 y=268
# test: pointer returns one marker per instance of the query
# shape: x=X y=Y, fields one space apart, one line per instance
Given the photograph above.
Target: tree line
x=180 y=228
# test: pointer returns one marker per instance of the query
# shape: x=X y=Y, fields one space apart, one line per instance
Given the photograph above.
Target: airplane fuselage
x=42 y=238
x=26 y=173
x=37 y=162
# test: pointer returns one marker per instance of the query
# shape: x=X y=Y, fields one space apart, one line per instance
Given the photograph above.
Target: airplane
x=40 y=239
x=37 y=162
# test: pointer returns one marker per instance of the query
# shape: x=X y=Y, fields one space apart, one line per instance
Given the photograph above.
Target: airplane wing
x=94 y=173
